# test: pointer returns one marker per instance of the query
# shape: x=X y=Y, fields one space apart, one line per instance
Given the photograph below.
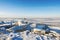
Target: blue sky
x=29 y=8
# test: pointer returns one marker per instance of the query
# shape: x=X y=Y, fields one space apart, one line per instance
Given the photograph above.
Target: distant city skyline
x=30 y=8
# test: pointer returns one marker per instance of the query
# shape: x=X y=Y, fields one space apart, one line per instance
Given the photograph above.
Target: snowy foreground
x=26 y=35
x=32 y=36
